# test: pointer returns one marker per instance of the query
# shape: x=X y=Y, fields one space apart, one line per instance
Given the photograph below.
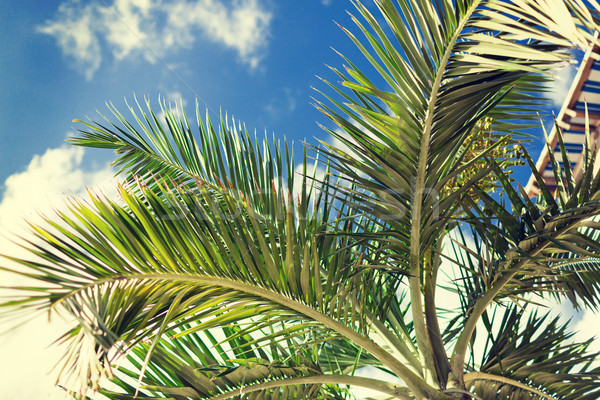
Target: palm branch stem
x=435 y=335
x=421 y=332
x=333 y=379
x=417 y=384
x=457 y=360
x=473 y=376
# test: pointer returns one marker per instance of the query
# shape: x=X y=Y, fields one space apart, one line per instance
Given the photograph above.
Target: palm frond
x=524 y=242
x=129 y=273
x=442 y=67
x=163 y=149
x=188 y=368
x=539 y=359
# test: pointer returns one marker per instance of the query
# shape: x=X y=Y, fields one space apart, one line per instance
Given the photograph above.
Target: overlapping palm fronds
x=203 y=253
x=189 y=367
x=445 y=65
x=536 y=357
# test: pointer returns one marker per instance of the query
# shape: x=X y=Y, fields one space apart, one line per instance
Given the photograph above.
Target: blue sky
x=254 y=59
x=63 y=59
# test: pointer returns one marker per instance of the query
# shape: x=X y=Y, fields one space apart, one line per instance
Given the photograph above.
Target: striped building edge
x=571 y=119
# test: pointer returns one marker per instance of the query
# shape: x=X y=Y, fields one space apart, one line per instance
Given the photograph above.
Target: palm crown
x=222 y=273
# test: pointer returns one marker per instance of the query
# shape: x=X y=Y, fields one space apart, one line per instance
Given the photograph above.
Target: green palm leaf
x=187 y=368
x=538 y=359
x=443 y=66
x=168 y=152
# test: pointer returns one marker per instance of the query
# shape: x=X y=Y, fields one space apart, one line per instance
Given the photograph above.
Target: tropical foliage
x=225 y=271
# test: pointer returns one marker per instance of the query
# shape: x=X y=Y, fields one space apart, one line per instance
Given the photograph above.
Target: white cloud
x=559 y=88
x=28 y=369
x=174 y=102
x=243 y=27
x=44 y=184
x=587 y=328
x=326 y=2
x=76 y=37
x=583 y=323
x=156 y=28
x=125 y=25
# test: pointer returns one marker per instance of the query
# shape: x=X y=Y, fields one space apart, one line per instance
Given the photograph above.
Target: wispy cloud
x=559 y=88
x=156 y=28
x=76 y=36
x=284 y=103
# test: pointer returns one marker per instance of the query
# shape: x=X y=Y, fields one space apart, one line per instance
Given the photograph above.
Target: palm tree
x=216 y=279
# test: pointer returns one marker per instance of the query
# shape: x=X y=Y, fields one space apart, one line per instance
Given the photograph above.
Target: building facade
x=585 y=90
